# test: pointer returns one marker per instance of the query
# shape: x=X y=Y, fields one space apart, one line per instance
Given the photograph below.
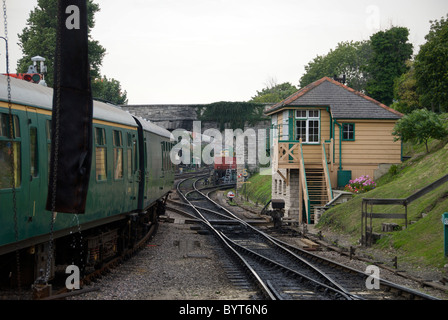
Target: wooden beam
x=427 y=189
x=386 y=215
x=300 y=202
x=384 y=201
x=283 y=177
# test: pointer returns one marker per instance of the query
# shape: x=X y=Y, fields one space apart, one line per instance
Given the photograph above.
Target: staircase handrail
x=304 y=183
x=326 y=173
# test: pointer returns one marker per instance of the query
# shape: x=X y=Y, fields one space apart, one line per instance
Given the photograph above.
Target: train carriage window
x=118 y=142
x=100 y=157
x=5 y=126
x=171 y=162
x=118 y=155
x=9 y=147
x=163 y=155
x=166 y=155
x=48 y=131
x=129 y=140
x=34 y=159
x=129 y=153
x=129 y=146
x=136 y=158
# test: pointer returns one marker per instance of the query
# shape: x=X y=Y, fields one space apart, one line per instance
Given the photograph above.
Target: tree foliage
x=274 y=93
x=369 y=66
x=390 y=51
x=348 y=58
x=38 y=38
x=406 y=98
x=232 y=114
x=107 y=89
x=419 y=126
x=431 y=67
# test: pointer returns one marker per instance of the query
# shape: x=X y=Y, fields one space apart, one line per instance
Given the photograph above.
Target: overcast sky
x=204 y=51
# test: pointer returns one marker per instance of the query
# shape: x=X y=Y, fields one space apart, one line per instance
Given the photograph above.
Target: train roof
x=151 y=127
x=35 y=95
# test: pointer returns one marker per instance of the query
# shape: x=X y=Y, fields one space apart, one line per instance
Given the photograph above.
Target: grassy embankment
x=422 y=241
x=258 y=188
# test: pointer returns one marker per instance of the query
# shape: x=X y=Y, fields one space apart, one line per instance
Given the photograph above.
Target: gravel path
x=178 y=264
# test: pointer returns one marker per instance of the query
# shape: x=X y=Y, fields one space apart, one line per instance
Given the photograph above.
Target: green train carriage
x=130 y=173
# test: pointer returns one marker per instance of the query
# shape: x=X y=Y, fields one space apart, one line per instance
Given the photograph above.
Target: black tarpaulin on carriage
x=71 y=144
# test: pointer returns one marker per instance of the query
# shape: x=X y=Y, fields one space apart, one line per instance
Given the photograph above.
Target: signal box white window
x=308 y=126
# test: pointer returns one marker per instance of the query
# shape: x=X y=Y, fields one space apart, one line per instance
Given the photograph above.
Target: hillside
x=422 y=242
x=258 y=188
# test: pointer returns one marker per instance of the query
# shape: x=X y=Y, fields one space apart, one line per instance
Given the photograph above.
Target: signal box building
x=327 y=134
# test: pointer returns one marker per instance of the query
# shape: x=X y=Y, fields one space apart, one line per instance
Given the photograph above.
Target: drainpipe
x=331 y=123
x=340 y=143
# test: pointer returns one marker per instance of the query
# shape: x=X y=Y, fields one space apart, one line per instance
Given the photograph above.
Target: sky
x=204 y=51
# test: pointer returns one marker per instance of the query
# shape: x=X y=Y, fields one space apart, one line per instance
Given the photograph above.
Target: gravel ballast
x=181 y=264
x=177 y=264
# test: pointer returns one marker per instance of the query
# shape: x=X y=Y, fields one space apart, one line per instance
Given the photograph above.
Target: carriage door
x=34 y=165
x=132 y=166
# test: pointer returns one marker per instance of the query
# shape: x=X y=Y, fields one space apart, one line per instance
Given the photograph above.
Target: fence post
x=445 y=226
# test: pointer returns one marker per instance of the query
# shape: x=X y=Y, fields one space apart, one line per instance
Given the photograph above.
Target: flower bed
x=360 y=185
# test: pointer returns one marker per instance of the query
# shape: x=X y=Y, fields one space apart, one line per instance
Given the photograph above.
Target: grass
x=258 y=188
x=422 y=241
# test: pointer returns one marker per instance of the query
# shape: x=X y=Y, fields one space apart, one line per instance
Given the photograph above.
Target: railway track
x=93 y=275
x=282 y=271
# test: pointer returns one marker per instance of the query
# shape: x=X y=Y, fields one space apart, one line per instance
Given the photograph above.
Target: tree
x=431 y=67
x=109 y=90
x=390 y=51
x=274 y=92
x=405 y=91
x=419 y=126
x=349 y=59
x=234 y=114
x=38 y=38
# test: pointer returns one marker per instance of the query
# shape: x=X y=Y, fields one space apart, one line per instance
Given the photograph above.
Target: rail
x=308 y=275
x=367 y=231
x=325 y=285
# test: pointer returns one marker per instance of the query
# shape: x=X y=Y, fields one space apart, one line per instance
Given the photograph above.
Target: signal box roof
x=343 y=101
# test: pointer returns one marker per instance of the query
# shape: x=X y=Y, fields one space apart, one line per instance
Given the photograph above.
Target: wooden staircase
x=314 y=176
x=317 y=189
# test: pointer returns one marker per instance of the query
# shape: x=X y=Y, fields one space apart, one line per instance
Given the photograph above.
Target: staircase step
x=317 y=189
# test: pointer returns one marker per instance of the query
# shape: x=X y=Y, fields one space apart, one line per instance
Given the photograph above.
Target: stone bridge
x=176 y=116
x=182 y=116
x=168 y=116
